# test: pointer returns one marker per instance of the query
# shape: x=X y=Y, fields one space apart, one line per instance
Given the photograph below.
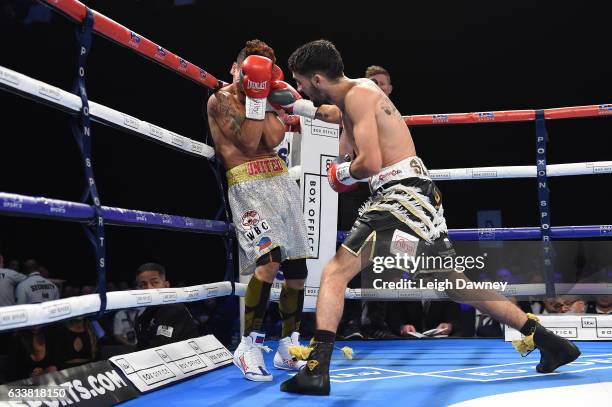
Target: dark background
x=443 y=57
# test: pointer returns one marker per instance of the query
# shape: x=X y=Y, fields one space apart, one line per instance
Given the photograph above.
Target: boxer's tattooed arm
x=227 y=115
x=329 y=113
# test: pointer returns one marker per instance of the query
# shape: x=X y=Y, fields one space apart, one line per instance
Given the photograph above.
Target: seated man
x=564 y=304
x=161 y=324
x=420 y=316
x=603 y=305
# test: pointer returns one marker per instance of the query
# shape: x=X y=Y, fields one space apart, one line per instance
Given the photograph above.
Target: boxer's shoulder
x=362 y=96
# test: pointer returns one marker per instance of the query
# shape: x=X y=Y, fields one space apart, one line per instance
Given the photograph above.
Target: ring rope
x=501 y=116
x=38 y=207
x=22 y=205
x=520 y=233
x=517 y=171
x=141 y=45
x=19 y=316
x=509 y=115
x=512 y=290
x=38 y=91
x=122 y=35
x=25 y=315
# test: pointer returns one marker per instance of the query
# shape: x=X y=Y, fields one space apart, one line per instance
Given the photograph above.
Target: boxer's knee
x=267 y=265
x=332 y=273
x=295 y=284
x=267 y=272
x=340 y=269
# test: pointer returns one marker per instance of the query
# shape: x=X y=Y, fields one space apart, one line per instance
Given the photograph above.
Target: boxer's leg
x=554 y=350
x=248 y=357
x=314 y=377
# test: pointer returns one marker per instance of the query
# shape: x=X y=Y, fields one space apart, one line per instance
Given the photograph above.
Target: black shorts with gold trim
x=384 y=229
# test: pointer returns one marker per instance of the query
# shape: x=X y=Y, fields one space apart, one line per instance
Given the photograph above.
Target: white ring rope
x=56 y=97
x=519 y=171
x=522 y=171
x=19 y=316
x=512 y=290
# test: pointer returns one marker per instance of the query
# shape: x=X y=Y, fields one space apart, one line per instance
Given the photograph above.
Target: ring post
x=544 y=202
x=81 y=130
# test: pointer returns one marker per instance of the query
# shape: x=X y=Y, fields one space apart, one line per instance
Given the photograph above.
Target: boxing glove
x=284 y=96
x=339 y=175
x=256 y=75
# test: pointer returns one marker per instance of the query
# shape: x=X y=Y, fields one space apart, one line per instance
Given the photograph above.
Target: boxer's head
x=316 y=66
x=252 y=47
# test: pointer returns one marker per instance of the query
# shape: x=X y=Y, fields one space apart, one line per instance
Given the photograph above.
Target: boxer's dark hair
x=319 y=56
x=255 y=47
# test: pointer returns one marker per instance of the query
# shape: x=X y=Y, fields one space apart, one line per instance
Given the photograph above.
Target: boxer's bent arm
x=274 y=130
x=345 y=145
x=361 y=109
x=329 y=113
x=246 y=134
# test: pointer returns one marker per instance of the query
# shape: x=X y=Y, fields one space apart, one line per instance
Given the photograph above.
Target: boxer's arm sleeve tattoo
x=226 y=115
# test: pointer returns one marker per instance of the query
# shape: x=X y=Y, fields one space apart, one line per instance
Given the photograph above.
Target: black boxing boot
x=555 y=351
x=313 y=378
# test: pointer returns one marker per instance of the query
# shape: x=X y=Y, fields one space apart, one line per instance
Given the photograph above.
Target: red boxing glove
x=256 y=75
x=277 y=73
x=339 y=176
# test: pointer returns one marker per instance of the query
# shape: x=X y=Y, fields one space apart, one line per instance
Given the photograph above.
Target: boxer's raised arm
x=329 y=113
x=245 y=134
x=274 y=130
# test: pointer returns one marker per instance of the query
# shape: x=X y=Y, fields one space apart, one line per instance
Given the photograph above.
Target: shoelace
x=256 y=358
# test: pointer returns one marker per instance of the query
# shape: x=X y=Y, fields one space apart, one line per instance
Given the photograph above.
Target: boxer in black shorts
x=404 y=201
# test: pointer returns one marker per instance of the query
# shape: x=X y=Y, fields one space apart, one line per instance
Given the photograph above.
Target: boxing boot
x=555 y=351
x=313 y=378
